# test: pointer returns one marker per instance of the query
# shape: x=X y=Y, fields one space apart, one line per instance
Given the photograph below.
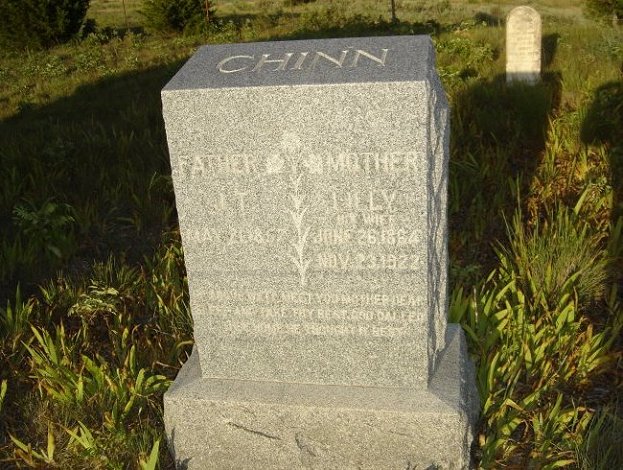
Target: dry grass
x=84 y=173
x=113 y=13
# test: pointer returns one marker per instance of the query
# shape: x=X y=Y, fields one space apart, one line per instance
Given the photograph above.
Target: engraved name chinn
x=309 y=60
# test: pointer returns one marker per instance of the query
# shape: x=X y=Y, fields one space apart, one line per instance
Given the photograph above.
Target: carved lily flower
x=291 y=143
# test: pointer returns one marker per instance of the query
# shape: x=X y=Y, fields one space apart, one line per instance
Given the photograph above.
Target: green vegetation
x=177 y=15
x=606 y=8
x=40 y=23
x=94 y=318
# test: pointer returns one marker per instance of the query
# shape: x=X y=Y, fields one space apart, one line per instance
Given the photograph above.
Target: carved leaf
x=298 y=247
x=295 y=261
x=299 y=219
x=306 y=265
x=297 y=184
x=296 y=201
x=304 y=237
x=292 y=214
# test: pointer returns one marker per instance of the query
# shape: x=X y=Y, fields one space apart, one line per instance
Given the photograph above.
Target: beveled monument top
x=319 y=61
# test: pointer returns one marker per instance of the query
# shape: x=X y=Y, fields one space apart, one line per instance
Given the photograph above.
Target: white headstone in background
x=523 y=45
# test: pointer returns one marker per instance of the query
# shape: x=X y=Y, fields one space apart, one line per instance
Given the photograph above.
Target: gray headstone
x=310 y=181
x=523 y=45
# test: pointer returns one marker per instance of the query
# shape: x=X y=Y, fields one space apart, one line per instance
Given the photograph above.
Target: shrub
x=177 y=15
x=606 y=8
x=40 y=23
x=46 y=228
x=559 y=251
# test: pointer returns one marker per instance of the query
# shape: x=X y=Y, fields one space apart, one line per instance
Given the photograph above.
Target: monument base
x=233 y=424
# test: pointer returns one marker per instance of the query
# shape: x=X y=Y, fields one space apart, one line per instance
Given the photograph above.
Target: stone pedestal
x=310 y=181
x=236 y=424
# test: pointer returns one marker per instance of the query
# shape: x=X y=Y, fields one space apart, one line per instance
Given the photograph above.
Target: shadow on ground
x=603 y=124
x=497 y=142
x=98 y=156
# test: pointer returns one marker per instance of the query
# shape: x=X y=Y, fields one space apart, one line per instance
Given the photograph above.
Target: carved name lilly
x=308 y=60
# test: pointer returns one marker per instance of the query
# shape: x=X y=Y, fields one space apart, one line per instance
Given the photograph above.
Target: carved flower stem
x=297 y=213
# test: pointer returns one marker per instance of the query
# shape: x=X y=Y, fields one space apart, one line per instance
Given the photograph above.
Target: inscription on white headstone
x=523 y=45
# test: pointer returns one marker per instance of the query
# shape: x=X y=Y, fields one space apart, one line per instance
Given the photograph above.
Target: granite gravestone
x=310 y=180
x=523 y=45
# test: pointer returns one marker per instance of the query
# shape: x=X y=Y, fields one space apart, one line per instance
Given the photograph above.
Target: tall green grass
x=94 y=317
x=87 y=362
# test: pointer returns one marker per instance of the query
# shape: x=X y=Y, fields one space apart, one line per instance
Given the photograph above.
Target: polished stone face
x=523 y=45
x=312 y=62
x=312 y=209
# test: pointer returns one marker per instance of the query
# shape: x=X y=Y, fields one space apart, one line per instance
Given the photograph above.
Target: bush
x=177 y=15
x=606 y=8
x=40 y=23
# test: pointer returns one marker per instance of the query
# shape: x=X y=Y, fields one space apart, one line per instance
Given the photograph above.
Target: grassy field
x=94 y=318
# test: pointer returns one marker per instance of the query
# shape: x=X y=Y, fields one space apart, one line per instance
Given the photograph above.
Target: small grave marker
x=523 y=45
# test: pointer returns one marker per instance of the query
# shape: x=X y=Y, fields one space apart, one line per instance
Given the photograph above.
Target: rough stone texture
x=268 y=425
x=310 y=181
x=523 y=45
x=292 y=198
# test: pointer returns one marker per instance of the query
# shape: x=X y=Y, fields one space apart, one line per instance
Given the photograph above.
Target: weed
x=560 y=250
x=15 y=322
x=88 y=351
x=34 y=458
x=152 y=460
x=602 y=447
x=3 y=388
x=48 y=227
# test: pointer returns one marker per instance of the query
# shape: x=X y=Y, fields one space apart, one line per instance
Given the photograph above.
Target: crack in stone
x=253 y=431
x=303 y=446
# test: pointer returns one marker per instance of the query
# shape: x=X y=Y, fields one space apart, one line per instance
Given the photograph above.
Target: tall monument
x=310 y=181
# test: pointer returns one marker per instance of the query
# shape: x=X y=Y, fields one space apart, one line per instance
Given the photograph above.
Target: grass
x=94 y=319
x=116 y=13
